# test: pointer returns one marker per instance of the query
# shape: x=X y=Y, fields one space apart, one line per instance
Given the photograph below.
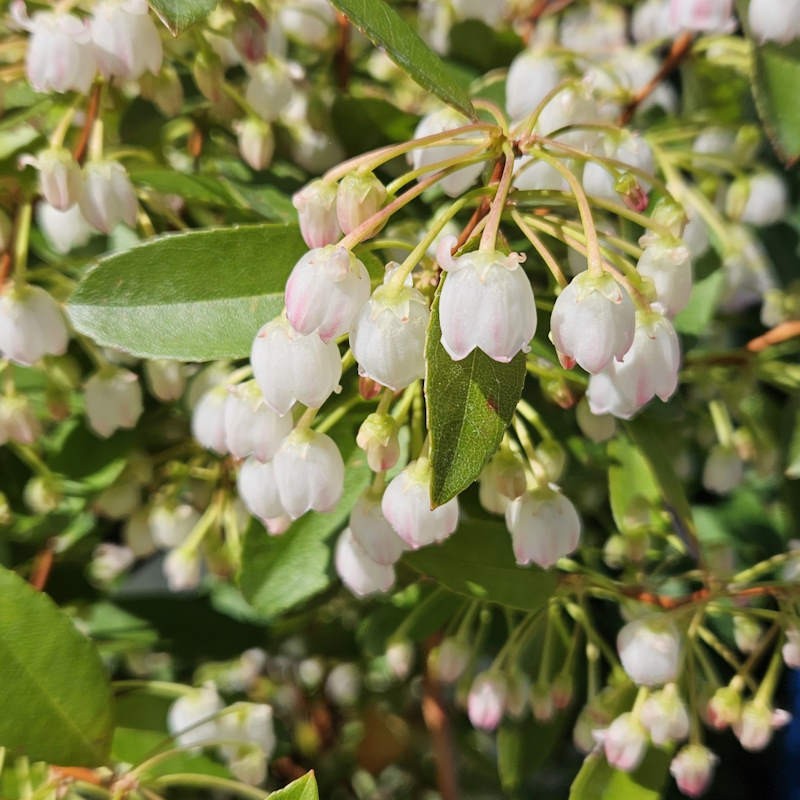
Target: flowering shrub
x=397 y=396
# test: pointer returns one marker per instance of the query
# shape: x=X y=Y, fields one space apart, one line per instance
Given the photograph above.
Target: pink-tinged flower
x=113 y=400
x=665 y=716
x=251 y=426
x=166 y=379
x=258 y=490
x=670 y=269
x=650 y=650
x=388 y=336
x=372 y=531
x=723 y=470
x=31 y=325
x=378 y=438
x=64 y=230
x=754 y=727
x=407 y=506
x=724 y=708
x=359 y=573
x=269 y=90
x=706 y=16
x=544 y=526
x=693 y=769
x=290 y=367
x=400 y=658
x=60 y=180
x=593 y=322
x=649 y=368
x=60 y=56
x=208 y=420
x=358 y=197
x=486 y=302
x=625 y=742
x=774 y=23
x=326 y=291
x=450 y=659
x=445 y=119
x=316 y=212
x=126 y=40
x=531 y=77
x=486 y=702
x=791 y=648
x=108 y=197
x=18 y=423
x=309 y=472
x=256 y=142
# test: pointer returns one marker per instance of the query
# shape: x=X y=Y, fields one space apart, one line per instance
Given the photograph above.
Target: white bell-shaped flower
x=372 y=531
x=445 y=119
x=791 y=648
x=670 y=269
x=544 y=527
x=325 y=292
x=290 y=367
x=119 y=500
x=171 y=523
x=723 y=470
x=649 y=368
x=256 y=142
x=60 y=56
x=650 y=650
x=18 y=423
x=531 y=77
x=192 y=718
x=665 y=716
x=60 y=180
x=32 y=325
x=486 y=702
x=379 y=438
x=269 y=90
x=487 y=302
x=126 y=39
x=243 y=726
x=450 y=659
x=407 y=506
x=316 y=212
x=388 y=336
x=109 y=561
x=593 y=322
x=64 y=230
x=310 y=22
x=651 y=21
x=774 y=23
x=765 y=199
x=258 y=490
x=758 y=721
x=706 y=16
x=108 y=197
x=182 y=570
x=309 y=472
x=633 y=150
x=208 y=420
x=693 y=769
x=625 y=742
x=251 y=426
x=113 y=400
x=166 y=379
x=531 y=174
x=360 y=574
x=501 y=481
x=359 y=196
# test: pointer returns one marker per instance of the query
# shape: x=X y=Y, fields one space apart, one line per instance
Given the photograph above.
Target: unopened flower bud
x=723 y=470
x=693 y=769
x=316 y=212
x=562 y=690
x=487 y=700
x=665 y=716
x=164 y=89
x=18 y=422
x=42 y=495
x=400 y=658
x=450 y=659
x=597 y=427
x=670 y=269
x=209 y=76
x=256 y=142
x=756 y=724
x=378 y=438
x=791 y=648
x=650 y=650
x=358 y=197
x=542 y=704
x=503 y=479
x=625 y=742
x=747 y=633
x=552 y=458
x=182 y=570
x=724 y=708
x=760 y=200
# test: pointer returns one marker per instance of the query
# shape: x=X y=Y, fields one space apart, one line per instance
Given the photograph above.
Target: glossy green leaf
x=279 y=572
x=56 y=694
x=387 y=29
x=178 y=15
x=304 y=788
x=524 y=747
x=364 y=123
x=195 y=296
x=630 y=482
x=470 y=404
x=598 y=780
x=477 y=561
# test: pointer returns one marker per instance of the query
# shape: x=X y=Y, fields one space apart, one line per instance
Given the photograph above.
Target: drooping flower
x=113 y=400
x=373 y=532
x=693 y=769
x=258 y=490
x=316 y=213
x=32 y=325
x=670 y=269
x=107 y=197
x=774 y=23
x=251 y=426
x=192 y=718
x=650 y=650
x=486 y=702
x=625 y=742
x=126 y=40
x=361 y=574
x=256 y=142
x=358 y=197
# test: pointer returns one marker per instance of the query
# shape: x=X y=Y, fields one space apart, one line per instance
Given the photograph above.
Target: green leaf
x=364 y=123
x=793 y=456
x=696 y=317
x=56 y=694
x=178 y=15
x=470 y=404
x=195 y=296
x=651 y=439
x=477 y=561
x=278 y=572
x=630 y=481
x=200 y=188
x=598 y=780
x=387 y=29
x=304 y=788
x=524 y=747
x=777 y=75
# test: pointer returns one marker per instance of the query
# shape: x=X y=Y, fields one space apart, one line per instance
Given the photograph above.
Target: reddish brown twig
x=679 y=50
x=668 y=602
x=780 y=333
x=438 y=725
x=5 y=266
x=341 y=58
x=86 y=131
x=42 y=565
x=539 y=9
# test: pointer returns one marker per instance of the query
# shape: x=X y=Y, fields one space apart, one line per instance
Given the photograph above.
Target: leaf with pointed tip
x=178 y=15
x=304 y=788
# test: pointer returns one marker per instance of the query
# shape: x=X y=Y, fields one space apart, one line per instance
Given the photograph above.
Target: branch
x=91 y=115
x=780 y=333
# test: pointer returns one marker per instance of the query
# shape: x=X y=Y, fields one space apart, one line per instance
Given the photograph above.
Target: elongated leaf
x=696 y=317
x=597 y=780
x=56 y=694
x=793 y=456
x=278 y=572
x=470 y=404
x=630 y=481
x=178 y=15
x=304 y=788
x=477 y=562
x=193 y=296
x=201 y=188
x=387 y=29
